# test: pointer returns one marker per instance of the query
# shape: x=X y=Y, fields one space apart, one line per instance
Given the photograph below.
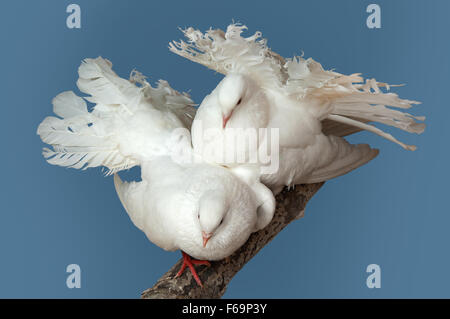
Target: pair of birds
x=189 y=199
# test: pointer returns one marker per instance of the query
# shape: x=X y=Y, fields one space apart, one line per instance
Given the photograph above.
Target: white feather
x=264 y=90
x=136 y=124
x=115 y=133
x=303 y=80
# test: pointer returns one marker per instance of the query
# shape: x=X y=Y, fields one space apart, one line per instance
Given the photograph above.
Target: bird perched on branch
x=311 y=109
x=183 y=203
x=291 y=110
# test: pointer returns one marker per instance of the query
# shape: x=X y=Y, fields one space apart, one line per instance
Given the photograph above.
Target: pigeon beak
x=206 y=237
x=225 y=119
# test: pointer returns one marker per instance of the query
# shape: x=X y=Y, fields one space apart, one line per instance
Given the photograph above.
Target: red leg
x=189 y=262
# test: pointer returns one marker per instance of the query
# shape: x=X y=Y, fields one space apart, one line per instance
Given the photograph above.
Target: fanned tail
x=110 y=135
x=80 y=139
x=352 y=102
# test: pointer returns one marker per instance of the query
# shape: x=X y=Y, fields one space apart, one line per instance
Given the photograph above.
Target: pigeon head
x=231 y=93
x=232 y=113
x=213 y=207
x=216 y=213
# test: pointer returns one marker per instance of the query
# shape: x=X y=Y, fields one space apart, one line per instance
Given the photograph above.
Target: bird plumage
x=188 y=198
x=133 y=123
x=312 y=108
x=115 y=133
x=172 y=200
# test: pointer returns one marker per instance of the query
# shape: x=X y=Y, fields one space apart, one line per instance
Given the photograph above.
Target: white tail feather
x=81 y=139
x=370 y=128
x=301 y=79
x=352 y=103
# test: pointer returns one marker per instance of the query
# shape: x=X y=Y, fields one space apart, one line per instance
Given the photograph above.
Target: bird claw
x=201 y=262
x=189 y=262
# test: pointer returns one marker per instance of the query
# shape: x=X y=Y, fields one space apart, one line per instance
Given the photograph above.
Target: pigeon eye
x=239 y=102
x=221 y=222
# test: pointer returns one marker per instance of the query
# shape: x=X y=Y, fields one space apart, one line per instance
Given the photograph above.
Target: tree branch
x=290 y=205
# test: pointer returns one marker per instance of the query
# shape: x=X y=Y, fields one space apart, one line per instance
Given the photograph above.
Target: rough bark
x=290 y=205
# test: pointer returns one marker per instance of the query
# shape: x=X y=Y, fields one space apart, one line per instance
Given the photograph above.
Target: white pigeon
x=203 y=210
x=311 y=108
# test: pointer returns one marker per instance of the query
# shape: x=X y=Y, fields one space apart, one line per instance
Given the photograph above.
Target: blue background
x=392 y=212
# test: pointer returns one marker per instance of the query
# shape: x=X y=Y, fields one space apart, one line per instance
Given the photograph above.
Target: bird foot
x=189 y=262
